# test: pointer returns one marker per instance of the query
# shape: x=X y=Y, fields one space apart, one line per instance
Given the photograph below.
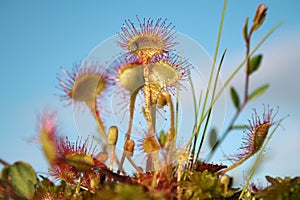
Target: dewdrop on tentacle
x=129 y=73
x=85 y=84
x=255 y=138
x=258 y=131
x=168 y=69
x=82 y=85
x=150 y=67
x=71 y=162
x=165 y=72
x=149 y=39
x=163 y=75
x=76 y=162
x=150 y=148
x=47 y=132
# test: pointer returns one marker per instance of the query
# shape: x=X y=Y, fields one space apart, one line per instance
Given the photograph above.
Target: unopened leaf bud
x=260 y=16
x=129 y=146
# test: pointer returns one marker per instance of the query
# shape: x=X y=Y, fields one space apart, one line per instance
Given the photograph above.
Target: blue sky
x=38 y=37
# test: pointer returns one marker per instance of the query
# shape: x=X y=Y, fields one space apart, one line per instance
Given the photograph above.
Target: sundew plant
x=153 y=106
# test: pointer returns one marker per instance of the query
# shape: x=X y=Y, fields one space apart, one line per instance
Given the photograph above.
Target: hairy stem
x=131 y=112
x=101 y=127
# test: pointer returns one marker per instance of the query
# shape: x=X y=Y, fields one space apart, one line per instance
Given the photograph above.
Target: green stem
x=236 y=164
x=246 y=96
x=177 y=112
x=240 y=66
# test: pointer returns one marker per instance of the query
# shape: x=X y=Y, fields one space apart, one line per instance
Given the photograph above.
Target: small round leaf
x=234 y=97
x=255 y=62
x=22 y=179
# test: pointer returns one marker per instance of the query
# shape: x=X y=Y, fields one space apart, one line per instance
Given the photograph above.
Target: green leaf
x=255 y=63
x=245 y=30
x=112 y=136
x=48 y=146
x=4 y=174
x=240 y=127
x=124 y=192
x=258 y=92
x=23 y=179
x=234 y=97
x=213 y=136
x=162 y=138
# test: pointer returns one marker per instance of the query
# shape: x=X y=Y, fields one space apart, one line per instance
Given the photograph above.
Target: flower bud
x=162 y=101
x=150 y=144
x=129 y=146
x=225 y=180
x=259 y=17
x=112 y=137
